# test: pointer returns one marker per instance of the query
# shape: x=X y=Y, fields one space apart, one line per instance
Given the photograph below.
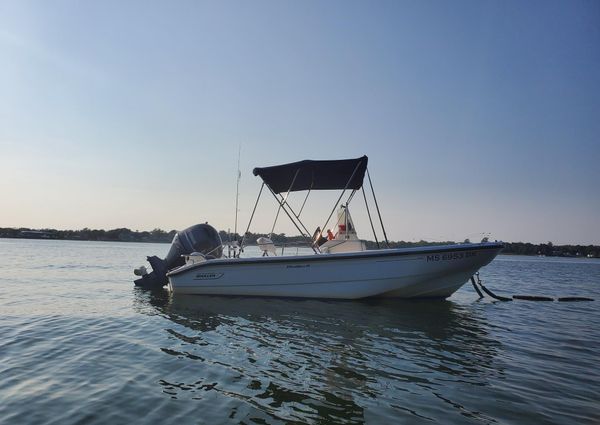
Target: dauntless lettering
x=207 y=276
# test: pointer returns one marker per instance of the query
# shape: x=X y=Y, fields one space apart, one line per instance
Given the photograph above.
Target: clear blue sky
x=477 y=116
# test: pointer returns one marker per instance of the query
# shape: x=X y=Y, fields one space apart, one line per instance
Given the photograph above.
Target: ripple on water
x=79 y=345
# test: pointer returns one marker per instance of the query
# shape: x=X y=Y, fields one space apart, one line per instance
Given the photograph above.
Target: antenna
x=237 y=190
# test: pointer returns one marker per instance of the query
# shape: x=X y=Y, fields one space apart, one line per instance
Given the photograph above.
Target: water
x=79 y=344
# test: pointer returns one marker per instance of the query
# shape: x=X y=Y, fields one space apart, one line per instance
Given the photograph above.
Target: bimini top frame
x=345 y=174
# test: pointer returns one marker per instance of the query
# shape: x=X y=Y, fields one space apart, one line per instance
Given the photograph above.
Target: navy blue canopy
x=315 y=175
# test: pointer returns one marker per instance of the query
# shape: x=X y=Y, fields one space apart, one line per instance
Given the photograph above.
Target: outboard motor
x=202 y=238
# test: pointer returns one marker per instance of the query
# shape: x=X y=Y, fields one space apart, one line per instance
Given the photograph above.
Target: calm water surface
x=80 y=344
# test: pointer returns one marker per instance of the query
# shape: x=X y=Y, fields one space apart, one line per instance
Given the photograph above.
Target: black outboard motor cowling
x=202 y=238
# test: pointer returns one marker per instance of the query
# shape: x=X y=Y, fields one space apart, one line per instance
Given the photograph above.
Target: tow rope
x=477 y=284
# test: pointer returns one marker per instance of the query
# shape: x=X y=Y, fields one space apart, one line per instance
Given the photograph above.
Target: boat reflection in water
x=303 y=359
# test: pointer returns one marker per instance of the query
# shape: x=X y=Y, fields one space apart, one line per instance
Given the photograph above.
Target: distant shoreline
x=160 y=236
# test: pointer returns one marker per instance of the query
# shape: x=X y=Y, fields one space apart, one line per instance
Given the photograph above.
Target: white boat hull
x=427 y=272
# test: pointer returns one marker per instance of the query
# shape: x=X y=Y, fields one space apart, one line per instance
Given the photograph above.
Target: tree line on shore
x=161 y=236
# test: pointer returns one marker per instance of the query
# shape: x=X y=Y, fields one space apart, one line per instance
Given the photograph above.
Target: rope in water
x=479 y=284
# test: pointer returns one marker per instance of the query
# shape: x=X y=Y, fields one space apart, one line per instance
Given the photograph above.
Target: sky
x=478 y=117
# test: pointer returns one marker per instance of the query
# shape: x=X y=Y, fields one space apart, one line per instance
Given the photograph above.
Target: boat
x=340 y=265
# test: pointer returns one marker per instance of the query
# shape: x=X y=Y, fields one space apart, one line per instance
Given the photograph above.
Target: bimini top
x=315 y=175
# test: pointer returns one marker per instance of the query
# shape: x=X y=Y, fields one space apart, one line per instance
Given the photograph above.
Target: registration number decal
x=451 y=256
